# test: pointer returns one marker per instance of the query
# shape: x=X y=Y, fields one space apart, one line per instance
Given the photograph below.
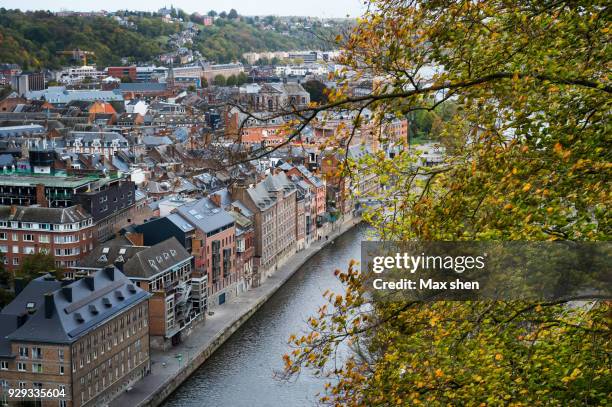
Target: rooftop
x=62 y=313
x=35 y=214
x=205 y=215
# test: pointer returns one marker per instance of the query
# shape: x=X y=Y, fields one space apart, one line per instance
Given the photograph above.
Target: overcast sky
x=317 y=8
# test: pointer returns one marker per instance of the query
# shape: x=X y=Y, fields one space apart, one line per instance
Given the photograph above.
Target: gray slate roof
x=73 y=317
x=142 y=87
x=155 y=259
x=263 y=193
x=205 y=215
x=35 y=214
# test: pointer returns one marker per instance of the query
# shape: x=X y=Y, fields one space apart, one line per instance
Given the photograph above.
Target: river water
x=241 y=372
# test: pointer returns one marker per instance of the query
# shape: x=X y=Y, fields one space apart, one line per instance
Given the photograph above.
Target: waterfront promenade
x=168 y=370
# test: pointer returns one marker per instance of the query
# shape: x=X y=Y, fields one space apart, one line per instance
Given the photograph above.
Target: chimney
x=21 y=319
x=19 y=285
x=110 y=272
x=49 y=305
x=67 y=291
x=216 y=198
x=89 y=281
x=13 y=210
x=40 y=196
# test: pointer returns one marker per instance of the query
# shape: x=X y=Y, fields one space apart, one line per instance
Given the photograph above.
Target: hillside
x=227 y=39
x=32 y=39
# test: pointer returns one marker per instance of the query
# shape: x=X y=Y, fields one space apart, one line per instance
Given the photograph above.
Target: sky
x=315 y=8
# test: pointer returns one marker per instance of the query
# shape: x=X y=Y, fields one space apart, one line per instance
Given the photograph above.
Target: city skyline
x=315 y=8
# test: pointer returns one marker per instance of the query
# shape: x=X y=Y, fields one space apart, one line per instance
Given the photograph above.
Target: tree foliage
x=227 y=39
x=32 y=39
x=317 y=90
x=231 y=80
x=35 y=265
x=219 y=80
x=528 y=158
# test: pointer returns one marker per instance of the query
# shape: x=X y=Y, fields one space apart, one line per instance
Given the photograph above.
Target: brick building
x=165 y=270
x=88 y=339
x=66 y=233
x=121 y=72
x=108 y=198
x=207 y=232
x=273 y=202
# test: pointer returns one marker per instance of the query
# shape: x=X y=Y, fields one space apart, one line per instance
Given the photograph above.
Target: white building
x=136 y=106
x=76 y=75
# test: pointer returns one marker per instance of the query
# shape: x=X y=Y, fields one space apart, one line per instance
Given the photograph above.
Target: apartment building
x=273 y=202
x=178 y=301
x=106 y=143
x=87 y=339
x=66 y=233
x=207 y=232
x=317 y=186
x=217 y=248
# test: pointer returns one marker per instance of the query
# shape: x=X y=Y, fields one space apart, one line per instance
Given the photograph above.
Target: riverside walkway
x=168 y=371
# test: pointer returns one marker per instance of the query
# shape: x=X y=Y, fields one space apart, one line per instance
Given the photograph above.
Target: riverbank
x=168 y=371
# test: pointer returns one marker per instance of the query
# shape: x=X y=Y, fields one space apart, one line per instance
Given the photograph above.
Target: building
x=215 y=248
x=207 y=232
x=145 y=90
x=308 y=57
x=130 y=120
x=317 y=185
x=75 y=75
x=245 y=234
x=121 y=72
x=66 y=233
x=226 y=70
x=136 y=106
x=24 y=82
x=179 y=299
x=273 y=97
x=106 y=144
x=87 y=339
x=150 y=73
x=59 y=96
x=273 y=202
x=28 y=130
x=108 y=198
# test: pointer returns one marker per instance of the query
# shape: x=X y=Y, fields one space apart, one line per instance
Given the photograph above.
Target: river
x=241 y=372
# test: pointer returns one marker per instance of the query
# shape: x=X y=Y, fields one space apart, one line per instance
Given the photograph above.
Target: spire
x=170 y=78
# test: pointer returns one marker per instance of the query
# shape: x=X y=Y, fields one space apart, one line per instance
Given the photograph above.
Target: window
x=15 y=261
x=36 y=353
x=4 y=365
x=61 y=370
x=21 y=366
x=24 y=352
x=43 y=238
x=3 y=236
x=37 y=368
x=60 y=354
x=28 y=237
